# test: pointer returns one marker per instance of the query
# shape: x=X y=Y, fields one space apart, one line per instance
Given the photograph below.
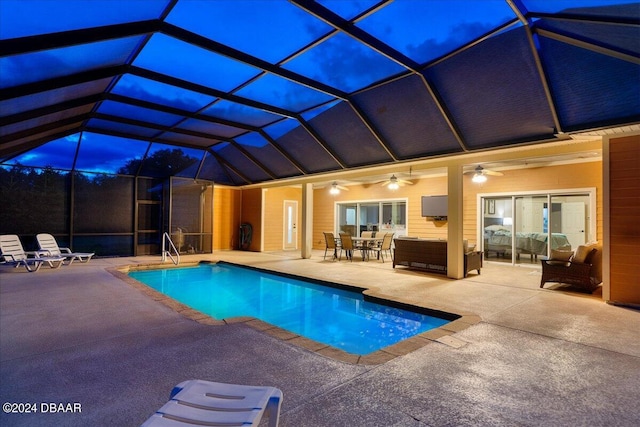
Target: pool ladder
x=167 y=252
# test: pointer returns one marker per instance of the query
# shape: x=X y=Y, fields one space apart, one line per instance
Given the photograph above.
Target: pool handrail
x=166 y=238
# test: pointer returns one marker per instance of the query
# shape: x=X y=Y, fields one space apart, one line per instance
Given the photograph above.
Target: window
x=389 y=216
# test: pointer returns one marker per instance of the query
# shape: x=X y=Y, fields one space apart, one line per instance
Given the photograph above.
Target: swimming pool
x=340 y=318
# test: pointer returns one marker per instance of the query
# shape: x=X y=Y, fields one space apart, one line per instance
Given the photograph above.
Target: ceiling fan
x=335 y=188
x=393 y=183
x=480 y=174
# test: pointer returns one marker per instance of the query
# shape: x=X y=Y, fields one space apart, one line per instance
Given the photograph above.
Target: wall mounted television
x=434 y=207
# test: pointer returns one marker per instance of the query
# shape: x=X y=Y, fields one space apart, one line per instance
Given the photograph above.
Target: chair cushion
x=561 y=255
x=583 y=254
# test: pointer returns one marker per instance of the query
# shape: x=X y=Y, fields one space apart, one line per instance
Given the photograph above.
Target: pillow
x=583 y=254
x=496 y=227
x=561 y=255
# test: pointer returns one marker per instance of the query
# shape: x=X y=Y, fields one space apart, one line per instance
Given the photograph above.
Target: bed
x=497 y=240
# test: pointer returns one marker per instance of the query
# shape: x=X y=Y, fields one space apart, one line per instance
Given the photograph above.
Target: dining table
x=364 y=243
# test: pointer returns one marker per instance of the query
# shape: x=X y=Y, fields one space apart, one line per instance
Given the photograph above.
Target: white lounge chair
x=49 y=245
x=197 y=402
x=13 y=253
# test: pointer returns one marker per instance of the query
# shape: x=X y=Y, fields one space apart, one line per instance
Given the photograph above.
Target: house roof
x=260 y=90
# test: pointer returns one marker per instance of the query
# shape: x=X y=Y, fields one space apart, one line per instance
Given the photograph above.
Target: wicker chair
x=582 y=270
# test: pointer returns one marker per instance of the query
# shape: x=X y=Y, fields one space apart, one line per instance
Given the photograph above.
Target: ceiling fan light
x=334 y=189
x=479 y=178
x=393 y=183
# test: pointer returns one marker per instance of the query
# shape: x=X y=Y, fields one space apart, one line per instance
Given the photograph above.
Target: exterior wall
x=624 y=219
x=324 y=206
x=274 y=216
x=227 y=207
x=252 y=214
x=580 y=175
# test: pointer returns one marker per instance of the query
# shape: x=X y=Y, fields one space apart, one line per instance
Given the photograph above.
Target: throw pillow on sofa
x=583 y=254
x=561 y=255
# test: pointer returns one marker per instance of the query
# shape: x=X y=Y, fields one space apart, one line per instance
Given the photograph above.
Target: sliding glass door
x=530 y=227
x=521 y=229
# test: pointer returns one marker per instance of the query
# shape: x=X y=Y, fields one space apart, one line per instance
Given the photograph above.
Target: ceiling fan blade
x=479 y=170
x=342 y=188
x=387 y=182
x=404 y=181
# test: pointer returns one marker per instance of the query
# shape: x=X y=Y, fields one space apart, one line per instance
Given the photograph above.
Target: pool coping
x=442 y=334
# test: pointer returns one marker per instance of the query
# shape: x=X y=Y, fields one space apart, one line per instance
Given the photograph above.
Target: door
x=149 y=235
x=290 y=224
x=573 y=222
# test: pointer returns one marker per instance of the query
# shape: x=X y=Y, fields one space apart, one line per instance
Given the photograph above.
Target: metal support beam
x=281 y=150
x=521 y=11
x=321 y=142
x=369 y=125
x=591 y=45
x=252 y=158
x=446 y=115
x=347 y=27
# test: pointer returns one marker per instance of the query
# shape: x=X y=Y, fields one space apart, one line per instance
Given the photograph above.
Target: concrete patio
x=534 y=357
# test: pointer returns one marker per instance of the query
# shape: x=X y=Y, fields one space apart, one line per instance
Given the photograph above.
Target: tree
x=161 y=164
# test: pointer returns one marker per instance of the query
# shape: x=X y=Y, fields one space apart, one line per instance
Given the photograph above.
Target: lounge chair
x=197 y=402
x=49 y=245
x=13 y=253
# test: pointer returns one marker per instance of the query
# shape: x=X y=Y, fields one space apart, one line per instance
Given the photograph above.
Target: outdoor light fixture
x=480 y=174
x=393 y=183
x=335 y=188
x=479 y=178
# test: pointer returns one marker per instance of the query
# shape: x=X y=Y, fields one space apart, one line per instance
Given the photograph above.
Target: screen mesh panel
x=45 y=120
x=408 y=118
x=235 y=158
x=307 y=151
x=52 y=97
x=212 y=170
x=43 y=193
x=605 y=90
x=427 y=78
x=261 y=149
x=348 y=136
x=92 y=215
x=494 y=92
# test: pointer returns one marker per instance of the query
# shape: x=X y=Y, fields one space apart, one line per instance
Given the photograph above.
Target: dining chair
x=385 y=246
x=330 y=244
x=346 y=244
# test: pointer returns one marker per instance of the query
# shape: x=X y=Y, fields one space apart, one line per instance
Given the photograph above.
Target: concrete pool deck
x=534 y=356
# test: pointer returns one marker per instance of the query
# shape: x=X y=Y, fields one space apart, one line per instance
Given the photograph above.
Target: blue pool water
x=336 y=317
